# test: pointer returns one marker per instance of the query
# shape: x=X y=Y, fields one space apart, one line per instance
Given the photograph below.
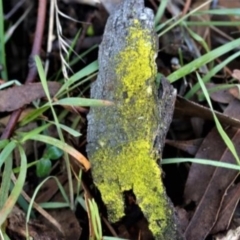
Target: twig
x=186 y=7
x=42 y=4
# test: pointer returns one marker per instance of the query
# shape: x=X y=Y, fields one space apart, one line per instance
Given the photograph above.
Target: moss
x=130 y=163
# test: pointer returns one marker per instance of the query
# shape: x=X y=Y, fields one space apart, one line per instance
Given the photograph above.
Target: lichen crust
x=129 y=161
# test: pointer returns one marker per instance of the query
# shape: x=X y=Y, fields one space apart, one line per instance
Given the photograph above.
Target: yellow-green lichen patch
x=134 y=168
x=131 y=162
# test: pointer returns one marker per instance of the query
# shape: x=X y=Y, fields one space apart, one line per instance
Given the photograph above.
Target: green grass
x=199 y=88
x=219 y=127
x=10 y=193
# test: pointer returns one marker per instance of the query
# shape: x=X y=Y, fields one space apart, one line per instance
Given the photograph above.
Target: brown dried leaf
x=209 y=183
x=185 y=107
x=212 y=148
x=199 y=175
x=50 y=188
x=16 y=97
x=17 y=227
x=211 y=202
x=228 y=207
x=222 y=95
x=68 y=222
x=190 y=146
x=234 y=92
x=236 y=74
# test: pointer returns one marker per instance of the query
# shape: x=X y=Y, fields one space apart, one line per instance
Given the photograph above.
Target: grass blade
x=63 y=146
x=6 y=181
x=201 y=161
x=219 y=127
x=12 y=199
x=160 y=11
x=208 y=57
x=6 y=152
x=89 y=69
x=211 y=73
x=84 y=102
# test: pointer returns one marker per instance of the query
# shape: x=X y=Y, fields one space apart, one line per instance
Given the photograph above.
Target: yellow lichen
x=131 y=164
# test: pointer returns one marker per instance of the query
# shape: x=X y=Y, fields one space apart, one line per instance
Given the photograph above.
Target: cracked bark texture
x=125 y=140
